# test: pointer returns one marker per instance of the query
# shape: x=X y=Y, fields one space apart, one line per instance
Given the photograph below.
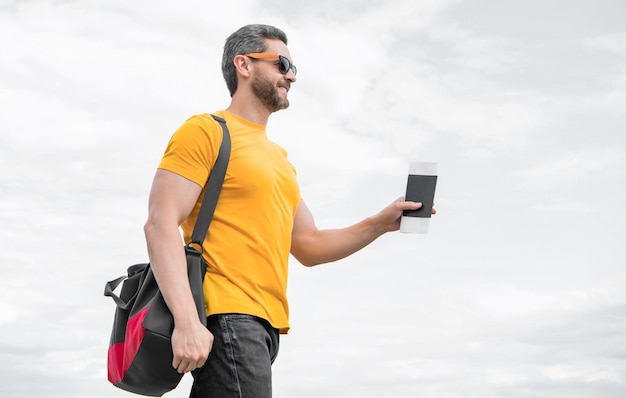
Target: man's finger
x=408 y=205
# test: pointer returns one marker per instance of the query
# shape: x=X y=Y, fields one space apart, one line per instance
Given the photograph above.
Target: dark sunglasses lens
x=284 y=65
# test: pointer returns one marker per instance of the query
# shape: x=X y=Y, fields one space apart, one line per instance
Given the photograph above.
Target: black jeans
x=240 y=363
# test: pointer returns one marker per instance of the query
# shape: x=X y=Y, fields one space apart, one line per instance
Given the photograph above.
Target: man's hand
x=191 y=345
x=389 y=217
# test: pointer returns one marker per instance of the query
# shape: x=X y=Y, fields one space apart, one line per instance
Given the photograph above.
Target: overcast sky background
x=519 y=289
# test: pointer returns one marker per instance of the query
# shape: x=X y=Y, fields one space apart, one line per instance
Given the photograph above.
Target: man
x=260 y=218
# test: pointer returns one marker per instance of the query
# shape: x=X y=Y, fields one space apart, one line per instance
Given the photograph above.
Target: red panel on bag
x=115 y=363
x=121 y=355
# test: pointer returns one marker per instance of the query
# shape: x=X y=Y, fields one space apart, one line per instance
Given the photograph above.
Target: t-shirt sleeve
x=193 y=149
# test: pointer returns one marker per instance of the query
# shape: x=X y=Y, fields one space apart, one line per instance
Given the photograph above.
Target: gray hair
x=248 y=39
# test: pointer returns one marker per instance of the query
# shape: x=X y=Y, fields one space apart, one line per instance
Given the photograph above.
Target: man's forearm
x=328 y=245
x=312 y=246
x=168 y=262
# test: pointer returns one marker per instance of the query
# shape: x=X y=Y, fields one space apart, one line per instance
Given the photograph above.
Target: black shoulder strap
x=213 y=188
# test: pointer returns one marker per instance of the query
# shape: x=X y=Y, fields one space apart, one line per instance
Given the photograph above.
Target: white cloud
x=614 y=42
x=570 y=168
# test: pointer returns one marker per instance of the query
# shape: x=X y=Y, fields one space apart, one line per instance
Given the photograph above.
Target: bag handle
x=110 y=286
x=109 y=291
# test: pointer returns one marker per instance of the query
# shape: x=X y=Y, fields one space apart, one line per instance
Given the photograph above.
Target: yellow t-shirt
x=249 y=239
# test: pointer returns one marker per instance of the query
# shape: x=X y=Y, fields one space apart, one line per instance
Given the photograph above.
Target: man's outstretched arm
x=312 y=246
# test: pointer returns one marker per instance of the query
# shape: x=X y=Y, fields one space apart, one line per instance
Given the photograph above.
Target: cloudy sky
x=519 y=289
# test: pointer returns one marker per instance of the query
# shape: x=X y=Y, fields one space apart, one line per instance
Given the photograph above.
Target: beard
x=267 y=93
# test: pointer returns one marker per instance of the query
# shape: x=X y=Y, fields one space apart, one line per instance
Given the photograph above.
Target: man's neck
x=251 y=110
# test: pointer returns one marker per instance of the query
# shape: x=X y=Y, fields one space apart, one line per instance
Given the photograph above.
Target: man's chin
x=279 y=106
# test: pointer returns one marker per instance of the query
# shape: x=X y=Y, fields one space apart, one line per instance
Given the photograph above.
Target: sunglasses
x=284 y=65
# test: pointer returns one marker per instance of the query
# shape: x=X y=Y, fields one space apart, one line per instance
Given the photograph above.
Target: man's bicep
x=303 y=228
x=172 y=196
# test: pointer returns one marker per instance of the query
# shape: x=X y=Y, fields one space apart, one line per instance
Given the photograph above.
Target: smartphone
x=420 y=187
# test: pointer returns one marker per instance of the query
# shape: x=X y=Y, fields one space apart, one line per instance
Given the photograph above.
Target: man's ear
x=242 y=64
